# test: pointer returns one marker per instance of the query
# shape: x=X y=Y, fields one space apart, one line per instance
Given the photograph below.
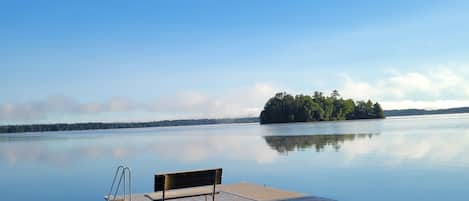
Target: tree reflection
x=284 y=144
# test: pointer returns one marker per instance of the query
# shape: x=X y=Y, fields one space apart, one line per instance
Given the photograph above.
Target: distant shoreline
x=189 y=122
x=115 y=125
x=410 y=112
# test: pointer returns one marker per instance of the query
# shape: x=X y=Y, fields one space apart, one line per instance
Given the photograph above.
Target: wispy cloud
x=60 y=105
x=244 y=101
x=434 y=87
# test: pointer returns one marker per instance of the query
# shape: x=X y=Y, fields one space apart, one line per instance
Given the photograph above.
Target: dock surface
x=237 y=192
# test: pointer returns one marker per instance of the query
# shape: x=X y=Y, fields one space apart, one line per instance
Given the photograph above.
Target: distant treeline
x=407 y=112
x=284 y=108
x=91 y=126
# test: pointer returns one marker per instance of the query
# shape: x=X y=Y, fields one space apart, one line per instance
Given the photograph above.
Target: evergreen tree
x=284 y=108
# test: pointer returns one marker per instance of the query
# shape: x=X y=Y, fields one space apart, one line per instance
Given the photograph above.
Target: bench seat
x=181 y=193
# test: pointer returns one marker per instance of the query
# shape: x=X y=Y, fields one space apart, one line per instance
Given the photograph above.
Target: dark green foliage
x=283 y=108
x=378 y=111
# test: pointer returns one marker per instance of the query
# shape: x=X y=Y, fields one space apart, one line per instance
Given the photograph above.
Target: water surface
x=407 y=158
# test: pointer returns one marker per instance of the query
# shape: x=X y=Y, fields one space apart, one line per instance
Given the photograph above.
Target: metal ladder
x=124 y=172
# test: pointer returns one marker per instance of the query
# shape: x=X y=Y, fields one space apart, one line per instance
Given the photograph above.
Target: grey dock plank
x=241 y=192
x=224 y=196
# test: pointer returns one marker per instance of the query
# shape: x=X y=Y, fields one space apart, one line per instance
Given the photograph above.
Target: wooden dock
x=235 y=192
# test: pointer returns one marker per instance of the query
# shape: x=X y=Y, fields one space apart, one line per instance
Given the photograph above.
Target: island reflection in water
x=284 y=144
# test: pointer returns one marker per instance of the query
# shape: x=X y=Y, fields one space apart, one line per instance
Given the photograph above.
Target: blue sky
x=64 y=61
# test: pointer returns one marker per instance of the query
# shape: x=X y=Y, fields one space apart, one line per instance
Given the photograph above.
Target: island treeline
x=284 y=108
x=98 y=125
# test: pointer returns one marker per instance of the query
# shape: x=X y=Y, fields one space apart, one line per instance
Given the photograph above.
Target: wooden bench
x=186 y=184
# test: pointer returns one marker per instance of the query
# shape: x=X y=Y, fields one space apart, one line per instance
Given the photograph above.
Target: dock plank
x=224 y=196
x=241 y=192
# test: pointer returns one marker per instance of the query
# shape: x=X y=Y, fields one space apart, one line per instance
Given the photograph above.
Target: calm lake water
x=406 y=158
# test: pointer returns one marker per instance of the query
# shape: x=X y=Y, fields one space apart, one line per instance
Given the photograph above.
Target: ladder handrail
x=114 y=180
x=123 y=170
x=129 y=172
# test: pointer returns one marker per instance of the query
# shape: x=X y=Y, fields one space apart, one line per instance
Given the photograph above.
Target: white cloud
x=244 y=101
x=438 y=104
x=437 y=87
x=37 y=110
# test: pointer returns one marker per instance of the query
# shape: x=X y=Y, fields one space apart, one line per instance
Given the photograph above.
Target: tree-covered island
x=284 y=108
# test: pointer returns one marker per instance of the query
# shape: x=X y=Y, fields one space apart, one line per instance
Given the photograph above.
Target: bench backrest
x=189 y=179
